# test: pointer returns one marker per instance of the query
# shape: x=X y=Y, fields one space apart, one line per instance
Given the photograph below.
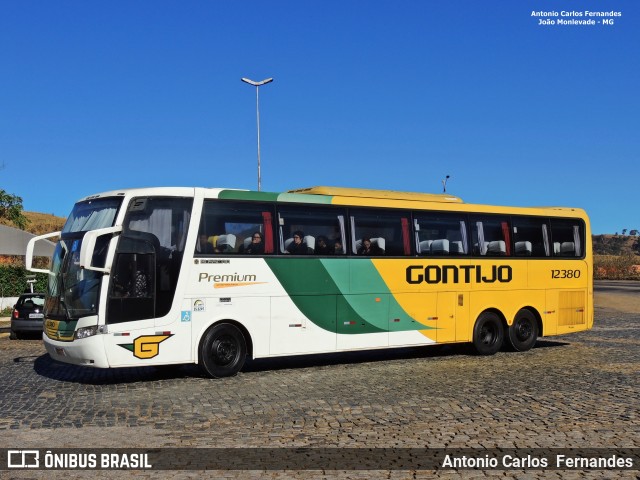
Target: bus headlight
x=86 y=332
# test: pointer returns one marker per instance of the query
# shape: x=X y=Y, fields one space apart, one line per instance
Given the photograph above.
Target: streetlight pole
x=258 y=85
x=444 y=184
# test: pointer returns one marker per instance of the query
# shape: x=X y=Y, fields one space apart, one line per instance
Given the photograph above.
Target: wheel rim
x=523 y=330
x=225 y=350
x=488 y=334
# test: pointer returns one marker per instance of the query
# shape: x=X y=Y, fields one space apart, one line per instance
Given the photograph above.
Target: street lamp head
x=256 y=84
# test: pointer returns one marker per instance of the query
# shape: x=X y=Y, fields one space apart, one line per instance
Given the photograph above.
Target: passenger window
x=311 y=230
x=376 y=234
x=490 y=236
x=235 y=228
x=567 y=237
x=531 y=237
x=440 y=234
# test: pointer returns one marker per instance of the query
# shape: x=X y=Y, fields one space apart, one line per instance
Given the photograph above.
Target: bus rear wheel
x=222 y=351
x=523 y=334
x=488 y=334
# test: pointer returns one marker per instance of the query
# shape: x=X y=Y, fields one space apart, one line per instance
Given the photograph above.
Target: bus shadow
x=49 y=368
x=550 y=344
x=295 y=362
x=45 y=366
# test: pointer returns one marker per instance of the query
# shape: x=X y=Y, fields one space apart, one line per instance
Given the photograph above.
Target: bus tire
x=523 y=333
x=223 y=350
x=488 y=334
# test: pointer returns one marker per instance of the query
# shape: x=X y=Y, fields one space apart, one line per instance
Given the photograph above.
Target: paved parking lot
x=574 y=391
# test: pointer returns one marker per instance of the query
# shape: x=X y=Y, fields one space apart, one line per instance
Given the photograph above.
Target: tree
x=624 y=231
x=11 y=209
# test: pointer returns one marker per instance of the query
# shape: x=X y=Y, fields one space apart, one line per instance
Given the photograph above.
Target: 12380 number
x=565 y=273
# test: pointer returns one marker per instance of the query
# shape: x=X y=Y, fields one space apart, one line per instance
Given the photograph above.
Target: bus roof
x=347 y=196
x=378 y=194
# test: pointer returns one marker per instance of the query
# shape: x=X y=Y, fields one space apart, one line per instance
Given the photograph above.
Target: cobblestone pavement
x=574 y=391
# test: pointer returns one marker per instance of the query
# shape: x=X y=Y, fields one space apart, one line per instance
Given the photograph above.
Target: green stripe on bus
x=273 y=197
x=248 y=195
x=298 y=198
x=308 y=281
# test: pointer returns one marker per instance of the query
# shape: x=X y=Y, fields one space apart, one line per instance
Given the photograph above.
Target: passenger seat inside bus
x=310 y=242
x=568 y=249
x=440 y=247
x=379 y=242
x=497 y=248
x=425 y=247
x=456 y=247
x=523 y=249
x=226 y=243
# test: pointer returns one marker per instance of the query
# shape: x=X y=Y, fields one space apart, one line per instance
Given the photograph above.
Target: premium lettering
x=235 y=277
x=458 y=274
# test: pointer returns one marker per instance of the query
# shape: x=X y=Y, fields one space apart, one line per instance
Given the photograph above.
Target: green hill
x=619 y=245
x=40 y=223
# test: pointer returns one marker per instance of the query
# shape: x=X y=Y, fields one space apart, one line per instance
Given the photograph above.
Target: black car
x=27 y=315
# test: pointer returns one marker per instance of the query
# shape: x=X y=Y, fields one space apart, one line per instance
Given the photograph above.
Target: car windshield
x=73 y=292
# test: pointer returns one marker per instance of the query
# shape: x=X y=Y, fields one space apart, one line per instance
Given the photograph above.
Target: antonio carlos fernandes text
x=561 y=461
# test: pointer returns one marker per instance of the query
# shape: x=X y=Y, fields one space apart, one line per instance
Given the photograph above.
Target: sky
x=104 y=95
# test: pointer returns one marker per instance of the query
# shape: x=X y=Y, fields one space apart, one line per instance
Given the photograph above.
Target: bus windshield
x=74 y=292
x=92 y=214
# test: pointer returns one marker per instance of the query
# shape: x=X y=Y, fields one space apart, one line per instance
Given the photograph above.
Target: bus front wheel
x=222 y=351
x=488 y=334
x=523 y=334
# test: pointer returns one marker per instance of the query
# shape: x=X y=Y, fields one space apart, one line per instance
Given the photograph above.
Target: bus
x=161 y=276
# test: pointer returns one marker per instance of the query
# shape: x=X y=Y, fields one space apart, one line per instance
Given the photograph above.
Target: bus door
x=133 y=305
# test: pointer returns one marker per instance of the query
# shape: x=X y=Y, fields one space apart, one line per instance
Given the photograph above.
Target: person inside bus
x=297 y=247
x=127 y=284
x=369 y=249
x=256 y=247
x=322 y=246
x=337 y=247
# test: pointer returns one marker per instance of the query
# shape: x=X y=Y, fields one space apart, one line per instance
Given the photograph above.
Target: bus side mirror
x=89 y=245
x=29 y=254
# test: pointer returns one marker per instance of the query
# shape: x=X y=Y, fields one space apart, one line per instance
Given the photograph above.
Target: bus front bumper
x=86 y=351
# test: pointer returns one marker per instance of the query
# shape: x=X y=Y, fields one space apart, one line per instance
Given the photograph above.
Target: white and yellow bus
x=158 y=276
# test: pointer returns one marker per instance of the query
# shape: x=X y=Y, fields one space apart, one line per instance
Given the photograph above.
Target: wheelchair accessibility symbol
x=186 y=316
